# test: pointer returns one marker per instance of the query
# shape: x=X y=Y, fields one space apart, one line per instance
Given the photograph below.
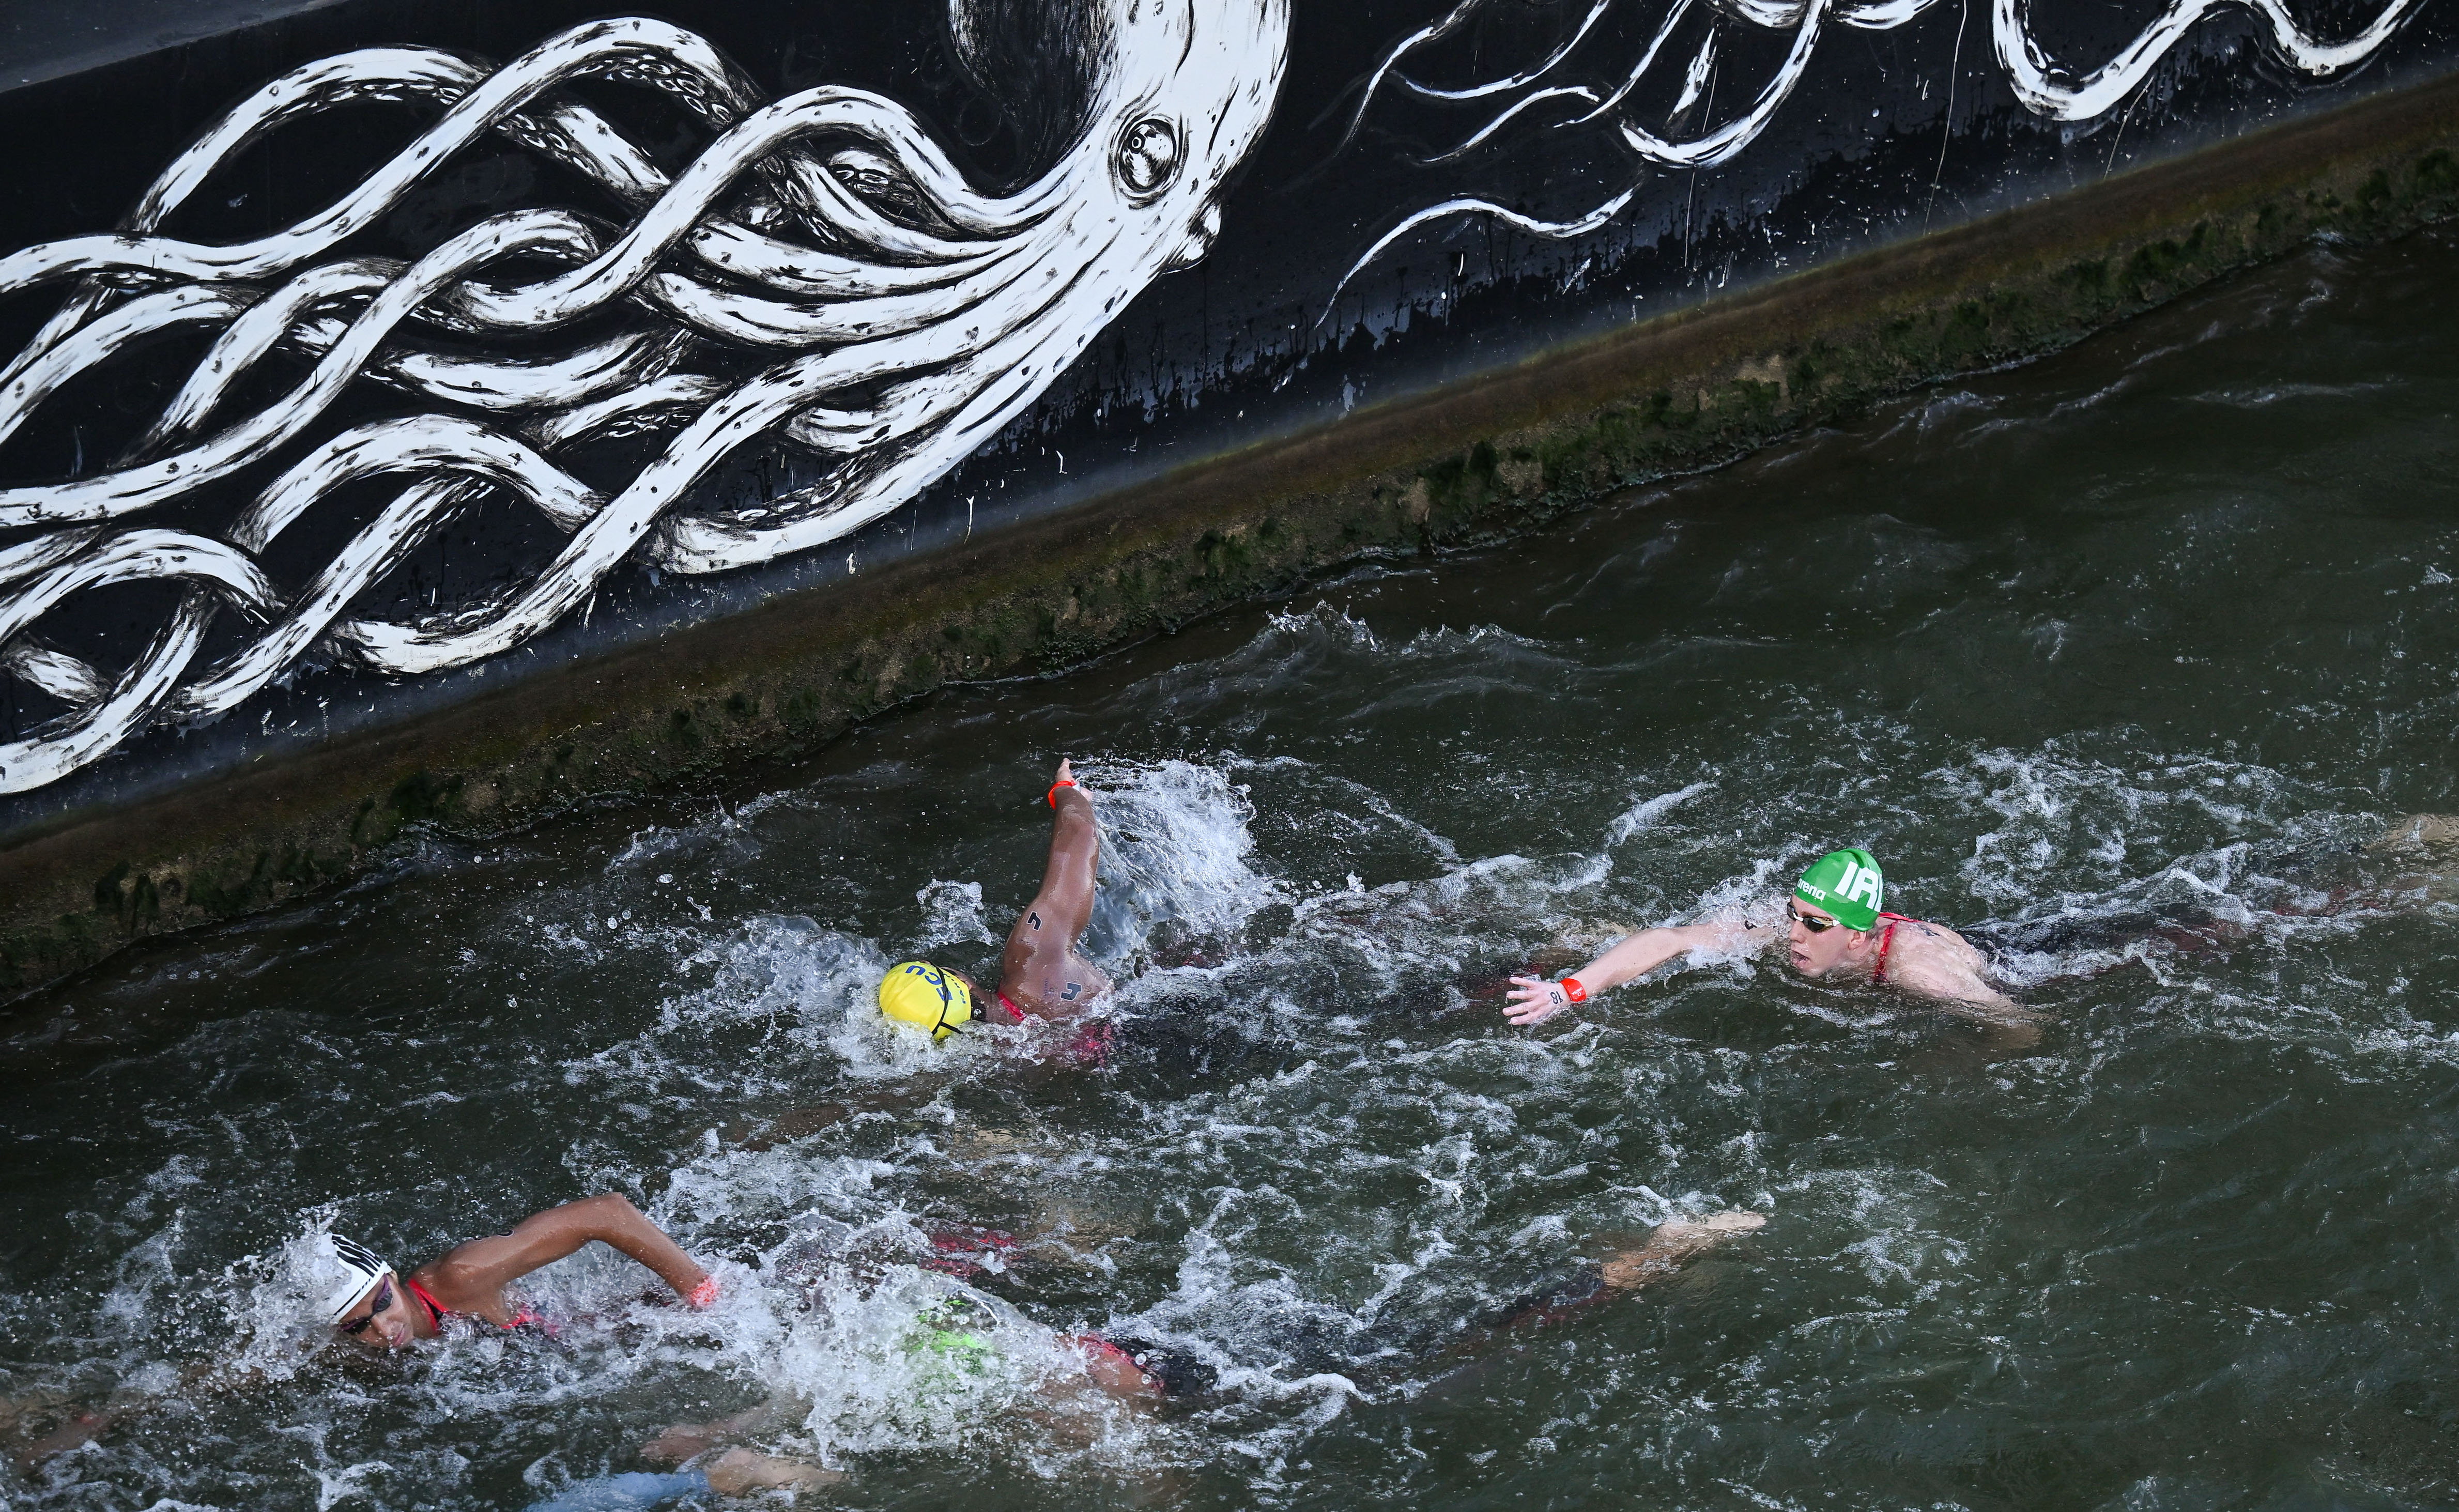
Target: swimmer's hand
x=1533 y=1000
x=80 y=1429
x=1063 y=780
x=682 y=1441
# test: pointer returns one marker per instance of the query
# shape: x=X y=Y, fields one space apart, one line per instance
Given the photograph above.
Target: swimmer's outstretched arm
x=1673 y=1243
x=682 y=1442
x=81 y=1425
x=735 y=1473
x=1533 y=1000
x=473 y=1275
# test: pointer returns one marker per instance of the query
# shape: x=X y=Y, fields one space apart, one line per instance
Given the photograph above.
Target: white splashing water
x=1176 y=856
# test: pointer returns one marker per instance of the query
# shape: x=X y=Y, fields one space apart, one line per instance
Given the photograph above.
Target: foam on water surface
x=2135 y=725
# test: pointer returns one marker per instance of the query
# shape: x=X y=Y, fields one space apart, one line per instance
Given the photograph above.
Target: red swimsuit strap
x=436 y=1311
x=1879 y=972
x=1014 y=1015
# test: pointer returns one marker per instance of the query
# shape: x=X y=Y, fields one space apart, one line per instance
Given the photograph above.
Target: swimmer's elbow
x=557 y=1232
x=611 y=1218
x=1999 y=1008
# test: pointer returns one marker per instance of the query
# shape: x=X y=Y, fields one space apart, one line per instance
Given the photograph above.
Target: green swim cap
x=950 y=1343
x=1847 y=884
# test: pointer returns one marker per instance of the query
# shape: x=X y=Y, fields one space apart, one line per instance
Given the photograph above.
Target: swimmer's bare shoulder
x=1933 y=961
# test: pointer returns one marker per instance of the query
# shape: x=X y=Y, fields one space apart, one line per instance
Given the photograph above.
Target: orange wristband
x=1572 y=989
x=704 y=1295
x=1054 y=789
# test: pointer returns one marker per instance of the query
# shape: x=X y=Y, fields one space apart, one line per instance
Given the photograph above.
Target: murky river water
x=2163 y=629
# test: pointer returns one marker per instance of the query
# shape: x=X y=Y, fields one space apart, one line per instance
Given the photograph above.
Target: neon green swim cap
x=1847 y=884
x=950 y=1343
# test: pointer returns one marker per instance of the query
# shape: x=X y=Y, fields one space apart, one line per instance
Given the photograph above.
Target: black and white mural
x=1656 y=101
x=821 y=272
x=400 y=357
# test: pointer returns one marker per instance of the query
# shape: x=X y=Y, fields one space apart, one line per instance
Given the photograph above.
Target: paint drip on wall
x=822 y=273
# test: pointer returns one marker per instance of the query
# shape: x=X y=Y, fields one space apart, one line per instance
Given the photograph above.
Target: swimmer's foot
x=680 y=1443
x=2423 y=831
x=740 y=1470
x=1672 y=1243
x=78 y=1429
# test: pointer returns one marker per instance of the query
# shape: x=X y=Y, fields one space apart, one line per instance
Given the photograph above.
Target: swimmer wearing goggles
x=353 y=1290
x=1836 y=929
x=367 y=1303
x=1042 y=974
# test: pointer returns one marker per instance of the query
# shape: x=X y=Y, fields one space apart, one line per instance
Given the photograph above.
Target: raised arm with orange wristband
x=1043 y=973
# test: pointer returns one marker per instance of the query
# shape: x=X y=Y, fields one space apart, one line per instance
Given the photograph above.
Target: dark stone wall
x=1339 y=372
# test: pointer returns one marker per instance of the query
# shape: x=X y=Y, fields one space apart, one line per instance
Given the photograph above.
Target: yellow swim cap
x=922 y=994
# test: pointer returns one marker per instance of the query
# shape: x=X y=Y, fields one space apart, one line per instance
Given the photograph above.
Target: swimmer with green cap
x=1042 y=973
x=1836 y=929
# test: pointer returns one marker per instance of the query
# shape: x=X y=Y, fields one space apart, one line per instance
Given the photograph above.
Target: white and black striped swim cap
x=353 y=1272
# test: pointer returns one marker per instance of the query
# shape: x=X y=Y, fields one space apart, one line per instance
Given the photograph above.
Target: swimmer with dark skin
x=1043 y=973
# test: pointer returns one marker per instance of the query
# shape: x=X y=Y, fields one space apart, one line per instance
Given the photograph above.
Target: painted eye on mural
x=1148 y=156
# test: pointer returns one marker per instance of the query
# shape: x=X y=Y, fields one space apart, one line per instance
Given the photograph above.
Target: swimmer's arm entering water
x=471 y=1277
x=1533 y=1000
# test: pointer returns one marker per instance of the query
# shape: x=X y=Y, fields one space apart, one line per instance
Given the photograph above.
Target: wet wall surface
x=1422 y=192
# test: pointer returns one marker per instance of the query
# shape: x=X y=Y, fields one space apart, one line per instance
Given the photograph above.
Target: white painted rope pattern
x=903 y=318
x=2045 y=87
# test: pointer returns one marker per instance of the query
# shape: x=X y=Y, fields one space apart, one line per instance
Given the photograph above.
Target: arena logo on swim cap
x=1847 y=884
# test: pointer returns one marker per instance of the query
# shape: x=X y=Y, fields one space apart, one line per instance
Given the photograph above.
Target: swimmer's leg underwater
x=1457 y=1359
x=735 y=1473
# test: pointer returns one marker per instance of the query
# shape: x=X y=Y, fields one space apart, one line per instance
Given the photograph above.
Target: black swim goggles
x=383 y=1300
x=1809 y=921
